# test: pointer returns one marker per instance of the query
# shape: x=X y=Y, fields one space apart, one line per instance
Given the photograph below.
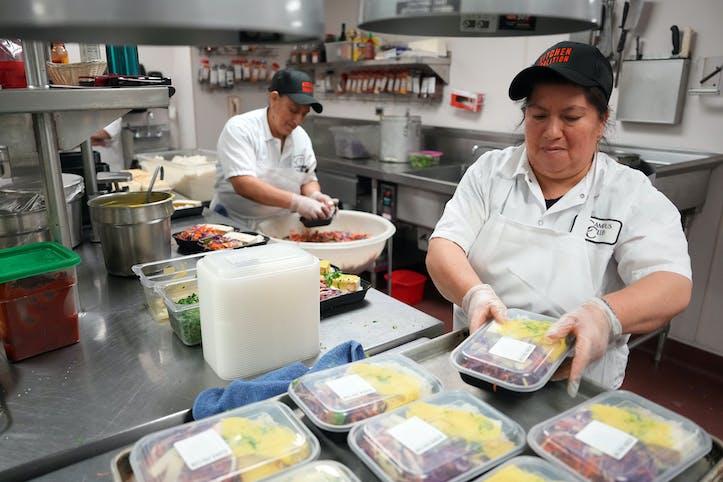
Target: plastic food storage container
x=337 y=398
x=184 y=313
x=191 y=172
x=451 y=436
x=160 y=272
x=255 y=298
x=356 y=142
x=249 y=443
x=37 y=299
x=527 y=469
x=619 y=435
x=319 y=471
x=513 y=355
x=424 y=158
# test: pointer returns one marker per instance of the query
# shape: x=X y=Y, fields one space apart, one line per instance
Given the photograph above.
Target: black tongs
x=317 y=223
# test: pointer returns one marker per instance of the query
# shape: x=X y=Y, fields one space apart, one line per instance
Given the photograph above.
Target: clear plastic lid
x=249 y=443
x=258 y=261
x=513 y=355
x=151 y=274
x=527 y=469
x=620 y=436
x=450 y=436
x=337 y=398
x=319 y=471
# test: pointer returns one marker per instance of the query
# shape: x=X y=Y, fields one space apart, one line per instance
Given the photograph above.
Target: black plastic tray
x=194 y=247
x=187 y=212
x=331 y=305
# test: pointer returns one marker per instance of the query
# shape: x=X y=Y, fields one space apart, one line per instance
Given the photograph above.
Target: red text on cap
x=555 y=56
x=307 y=87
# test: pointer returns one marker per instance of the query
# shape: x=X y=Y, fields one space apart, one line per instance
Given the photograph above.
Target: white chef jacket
x=111 y=151
x=634 y=230
x=246 y=147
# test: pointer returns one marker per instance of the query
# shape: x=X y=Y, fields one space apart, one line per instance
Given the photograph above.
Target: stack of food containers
x=514 y=355
x=249 y=443
x=259 y=308
x=527 y=469
x=191 y=173
x=620 y=436
x=450 y=436
x=38 y=312
x=337 y=398
x=319 y=471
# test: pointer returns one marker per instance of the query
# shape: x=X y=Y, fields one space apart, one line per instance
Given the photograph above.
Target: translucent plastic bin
x=350 y=257
x=619 y=435
x=337 y=398
x=185 y=170
x=356 y=142
x=249 y=443
x=527 y=469
x=424 y=158
x=407 y=286
x=164 y=271
x=451 y=436
x=338 y=51
x=184 y=311
x=37 y=299
x=319 y=471
x=513 y=355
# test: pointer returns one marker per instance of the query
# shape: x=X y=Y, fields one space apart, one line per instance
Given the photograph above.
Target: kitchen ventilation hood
x=164 y=22
x=479 y=18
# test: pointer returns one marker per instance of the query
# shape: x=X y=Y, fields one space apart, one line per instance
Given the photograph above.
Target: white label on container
x=606 y=439
x=202 y=449
x=417 y=435
x=350 y=386
x=512 y=349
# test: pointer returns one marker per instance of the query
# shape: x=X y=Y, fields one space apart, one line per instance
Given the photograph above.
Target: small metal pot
x=23 y=228
x=131 y=230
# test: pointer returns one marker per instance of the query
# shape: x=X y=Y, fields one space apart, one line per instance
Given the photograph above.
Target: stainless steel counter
x=129 y=372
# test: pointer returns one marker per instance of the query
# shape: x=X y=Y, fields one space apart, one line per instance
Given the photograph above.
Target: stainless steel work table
x=128 y=370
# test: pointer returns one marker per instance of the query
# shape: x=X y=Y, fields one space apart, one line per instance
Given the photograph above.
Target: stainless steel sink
x=450 y=173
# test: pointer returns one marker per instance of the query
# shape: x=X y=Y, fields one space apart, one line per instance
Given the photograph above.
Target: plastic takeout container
x=37 y=299
x=337 y=398
x=159 y=272
x=183 y=313
x=527 y=469
x=318 y=471
x=619 y=435
x=356 y=142
x=349 y=256
x=249 y=443
x=191 y=172
x=424 y=158
x=513 y=355
x=450 y=436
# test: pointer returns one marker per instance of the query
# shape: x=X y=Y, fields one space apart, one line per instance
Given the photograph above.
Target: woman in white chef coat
x=556 y=227
x=266 y=161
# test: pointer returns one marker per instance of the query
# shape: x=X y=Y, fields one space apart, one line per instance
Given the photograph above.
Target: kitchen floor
x=688 y=381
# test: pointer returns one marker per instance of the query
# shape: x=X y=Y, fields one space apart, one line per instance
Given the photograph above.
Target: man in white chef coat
x=266 y=161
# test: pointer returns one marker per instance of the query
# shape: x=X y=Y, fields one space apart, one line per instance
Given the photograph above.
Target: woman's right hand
x=481 y=304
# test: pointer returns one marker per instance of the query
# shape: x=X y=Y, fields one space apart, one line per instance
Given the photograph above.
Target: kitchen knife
x=621 y=42
x=676 y=39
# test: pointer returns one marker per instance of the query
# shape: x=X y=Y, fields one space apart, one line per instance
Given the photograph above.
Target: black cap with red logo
x=297 y=85
x=579 y=63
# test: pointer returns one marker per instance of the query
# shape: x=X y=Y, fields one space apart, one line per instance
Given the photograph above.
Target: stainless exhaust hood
x=479 y=18
x=164 y=22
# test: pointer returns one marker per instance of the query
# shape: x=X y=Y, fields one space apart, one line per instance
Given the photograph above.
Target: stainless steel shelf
x=438 y=65
x=17 y=101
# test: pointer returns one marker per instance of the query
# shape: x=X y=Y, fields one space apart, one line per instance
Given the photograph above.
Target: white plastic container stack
x=259 y=308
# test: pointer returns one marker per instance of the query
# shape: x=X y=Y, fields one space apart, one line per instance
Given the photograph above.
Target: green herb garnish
x=191 y=299
x=331 y=276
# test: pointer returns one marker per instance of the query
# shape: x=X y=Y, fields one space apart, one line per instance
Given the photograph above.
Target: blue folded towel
x=241 y=392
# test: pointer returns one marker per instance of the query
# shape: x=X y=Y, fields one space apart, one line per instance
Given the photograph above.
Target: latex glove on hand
x=594 y=325
x=308 y=208
x=324 y=199
x=480 y=304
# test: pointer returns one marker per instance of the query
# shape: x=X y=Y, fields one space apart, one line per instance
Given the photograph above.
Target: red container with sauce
x=38 y=312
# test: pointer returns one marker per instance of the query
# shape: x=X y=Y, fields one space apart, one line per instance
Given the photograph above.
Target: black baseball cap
x=297 y=85
x=579 y=63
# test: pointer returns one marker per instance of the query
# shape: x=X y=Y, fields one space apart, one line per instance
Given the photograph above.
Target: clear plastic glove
x=481 y=304
x=594 y=325
x=308 y=208
x=324 y=199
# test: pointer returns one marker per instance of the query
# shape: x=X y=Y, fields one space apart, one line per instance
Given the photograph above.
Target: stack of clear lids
x=450 y=436
x=514 y=355
x=249 y=443
x=527 y=469
x=337 y=398
x=319 y=471
x=620 y=436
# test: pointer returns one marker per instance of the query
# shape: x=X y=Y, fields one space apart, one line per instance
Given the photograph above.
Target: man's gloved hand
x=308 y=208
x=480 y=304
x=594 y=325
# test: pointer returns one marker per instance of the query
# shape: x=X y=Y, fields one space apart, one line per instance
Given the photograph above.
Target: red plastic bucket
x=407 y=286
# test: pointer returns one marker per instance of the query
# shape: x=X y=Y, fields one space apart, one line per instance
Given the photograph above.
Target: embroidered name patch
x=603 y=231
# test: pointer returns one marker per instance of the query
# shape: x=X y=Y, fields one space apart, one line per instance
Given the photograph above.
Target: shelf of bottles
x=228 y=67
